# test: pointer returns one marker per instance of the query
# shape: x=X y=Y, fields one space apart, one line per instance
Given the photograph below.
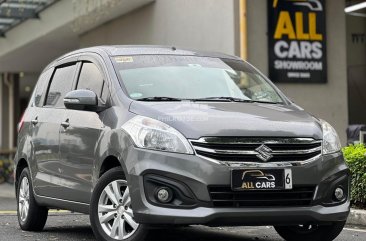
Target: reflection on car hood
x=198 y=119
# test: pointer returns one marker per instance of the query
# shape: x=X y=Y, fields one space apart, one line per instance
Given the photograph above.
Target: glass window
x=191 y=77
x=40 y=87
x=61 y=84
x=91 y=78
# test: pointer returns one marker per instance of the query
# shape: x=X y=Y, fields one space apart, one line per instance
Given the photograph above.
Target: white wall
x=327 y=101
x=203 y=24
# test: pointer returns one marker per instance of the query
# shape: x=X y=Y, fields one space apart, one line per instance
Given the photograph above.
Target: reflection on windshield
x=193 y=78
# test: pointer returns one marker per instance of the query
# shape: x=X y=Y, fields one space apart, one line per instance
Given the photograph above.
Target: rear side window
x=40 y=88
x=91 y=78
x=61 y=84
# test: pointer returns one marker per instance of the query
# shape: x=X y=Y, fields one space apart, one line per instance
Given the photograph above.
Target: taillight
x=21 y=122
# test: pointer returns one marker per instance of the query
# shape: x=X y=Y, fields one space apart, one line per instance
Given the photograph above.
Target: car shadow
x=70 y=233
x=202 y=234
x=177 y=234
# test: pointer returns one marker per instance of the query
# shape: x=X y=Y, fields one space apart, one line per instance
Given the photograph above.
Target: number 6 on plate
x=288 y=179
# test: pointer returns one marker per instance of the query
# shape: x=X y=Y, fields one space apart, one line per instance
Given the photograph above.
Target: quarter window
x=43 y=79
x=91 y=78
x=61 y=84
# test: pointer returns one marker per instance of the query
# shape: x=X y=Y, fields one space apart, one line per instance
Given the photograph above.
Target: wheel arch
x=21 y=164
x=108 y=163
x=109 y=160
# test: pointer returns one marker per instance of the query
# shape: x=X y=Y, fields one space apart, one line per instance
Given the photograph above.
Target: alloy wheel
x=115 y=212
x=23 y=202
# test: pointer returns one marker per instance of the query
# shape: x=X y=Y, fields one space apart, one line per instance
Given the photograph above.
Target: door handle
x=65 y=123
x=35 y=121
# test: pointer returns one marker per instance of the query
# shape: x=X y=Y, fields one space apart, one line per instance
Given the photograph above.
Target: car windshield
x=172 y=78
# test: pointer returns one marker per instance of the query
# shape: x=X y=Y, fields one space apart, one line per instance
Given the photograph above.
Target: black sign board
x=297 y=41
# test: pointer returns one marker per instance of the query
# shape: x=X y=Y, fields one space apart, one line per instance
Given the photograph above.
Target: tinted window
x=43 y=79
x=91 y=78
x=61 y=84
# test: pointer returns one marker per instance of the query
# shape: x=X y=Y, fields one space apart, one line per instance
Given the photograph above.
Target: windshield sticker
x=124 y=59
x=135 y=95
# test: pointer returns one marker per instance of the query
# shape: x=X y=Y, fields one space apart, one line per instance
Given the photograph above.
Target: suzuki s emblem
x=264 y=153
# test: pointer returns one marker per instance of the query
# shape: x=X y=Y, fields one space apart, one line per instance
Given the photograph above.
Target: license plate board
x=261 y=179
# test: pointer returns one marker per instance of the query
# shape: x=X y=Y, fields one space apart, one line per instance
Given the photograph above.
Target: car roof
x=118 y=50
x=160 y=50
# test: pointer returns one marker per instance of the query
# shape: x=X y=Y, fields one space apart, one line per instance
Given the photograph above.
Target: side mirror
x=81 y=100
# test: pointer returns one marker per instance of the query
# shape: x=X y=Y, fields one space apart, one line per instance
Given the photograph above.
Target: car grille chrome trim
x=223 y=197
x=286 y=152
x=255 y=140
x=258 y=152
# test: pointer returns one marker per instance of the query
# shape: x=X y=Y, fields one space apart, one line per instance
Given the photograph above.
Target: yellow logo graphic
x=285 y=26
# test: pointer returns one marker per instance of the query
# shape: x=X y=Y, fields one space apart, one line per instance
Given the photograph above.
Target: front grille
x=223 y=196
x=258 y=149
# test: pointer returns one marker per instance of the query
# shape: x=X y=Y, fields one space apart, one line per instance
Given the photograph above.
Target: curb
x=7 y=190
x=357 y=217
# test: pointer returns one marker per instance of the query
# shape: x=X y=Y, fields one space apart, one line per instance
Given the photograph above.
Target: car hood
x=199 y=119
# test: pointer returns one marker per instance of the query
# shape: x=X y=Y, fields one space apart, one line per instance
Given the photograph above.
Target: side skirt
x=62 y=204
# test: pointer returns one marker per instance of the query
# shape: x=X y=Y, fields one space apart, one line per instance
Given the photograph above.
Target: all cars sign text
x=297 y=41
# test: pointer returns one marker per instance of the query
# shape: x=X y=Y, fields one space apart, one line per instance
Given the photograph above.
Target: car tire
x=111 y=215
x=31 y=216
x=310 y=232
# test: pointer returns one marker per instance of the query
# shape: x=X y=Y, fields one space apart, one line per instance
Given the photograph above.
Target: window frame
x=62 y=65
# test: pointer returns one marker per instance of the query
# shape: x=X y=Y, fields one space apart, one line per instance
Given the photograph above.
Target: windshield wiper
x=234 y=99
x=220 y=98
x=265 y=102
x=159 y=98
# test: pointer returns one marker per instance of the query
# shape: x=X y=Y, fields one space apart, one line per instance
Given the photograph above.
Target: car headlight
x=153 y=134
x=331 y=142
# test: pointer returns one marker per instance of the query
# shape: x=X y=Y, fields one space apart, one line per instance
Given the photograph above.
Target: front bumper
x=243 y=216
x=192 y=176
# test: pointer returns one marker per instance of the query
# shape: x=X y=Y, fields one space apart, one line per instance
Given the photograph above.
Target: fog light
x=164 y=195
x=339 y=193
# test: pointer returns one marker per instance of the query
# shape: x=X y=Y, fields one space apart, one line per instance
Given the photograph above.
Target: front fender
x=113 y=143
